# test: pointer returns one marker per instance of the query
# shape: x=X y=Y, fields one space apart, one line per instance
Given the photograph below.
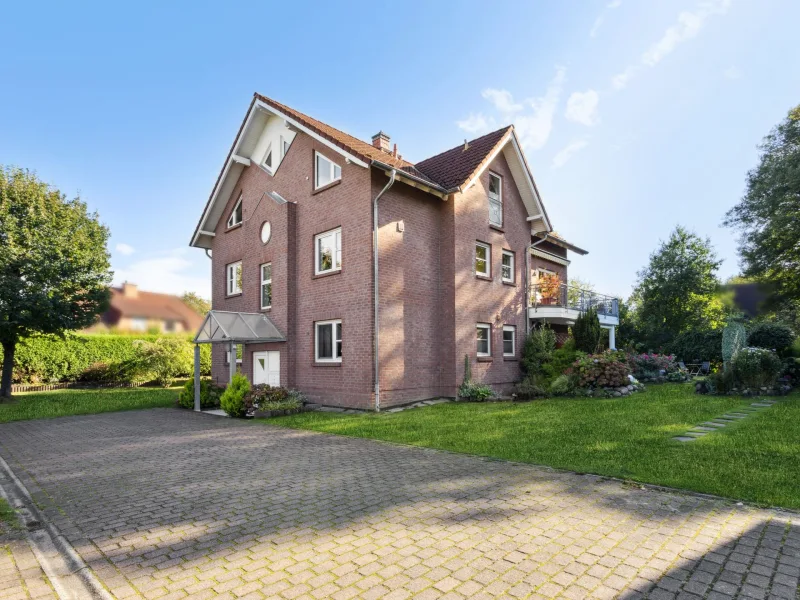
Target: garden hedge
x=50 y=359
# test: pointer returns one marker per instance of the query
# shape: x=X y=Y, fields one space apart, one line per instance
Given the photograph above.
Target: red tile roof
x=150 y=305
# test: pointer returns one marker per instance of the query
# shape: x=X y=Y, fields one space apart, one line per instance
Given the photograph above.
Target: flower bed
x=656 y=368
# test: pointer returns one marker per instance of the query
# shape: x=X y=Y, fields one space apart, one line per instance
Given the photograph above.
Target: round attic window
x=266 y=232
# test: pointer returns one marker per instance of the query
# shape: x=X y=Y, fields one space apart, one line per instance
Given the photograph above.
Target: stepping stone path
x=721 y=422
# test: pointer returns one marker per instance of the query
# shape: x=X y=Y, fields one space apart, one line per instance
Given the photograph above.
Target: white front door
x=267 y=368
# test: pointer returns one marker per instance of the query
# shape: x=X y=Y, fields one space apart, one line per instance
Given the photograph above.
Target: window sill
x=484 y=277
x=511 y=283
x=327 y=186
x=497 y=228
x=233 y=295
x=266 y=308
x=485 y=359
x=511 y=358
x=237 y=226
x=326 y=364
x=326 y=274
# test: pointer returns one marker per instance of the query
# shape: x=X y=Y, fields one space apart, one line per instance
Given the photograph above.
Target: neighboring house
x=289 y=224
x=134 y=310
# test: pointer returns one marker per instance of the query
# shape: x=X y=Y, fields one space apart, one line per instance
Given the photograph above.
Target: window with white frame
x=284 y=147
x=508 y=266
x=483 y=331
x=495 y=200
x=328 y=341
x=234 y=278
x=138 y=324
x=239 y=348
x=328 y=252
x=236 y=214
x=325 y=171
x=483 y=259
x=266 y=285
x=509 y=340
x=268 y=158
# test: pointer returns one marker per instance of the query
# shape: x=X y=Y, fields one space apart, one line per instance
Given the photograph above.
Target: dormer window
x=284 y=147
x=495 y=200
x=268 y=158
x=325 y=171
x=236 y=215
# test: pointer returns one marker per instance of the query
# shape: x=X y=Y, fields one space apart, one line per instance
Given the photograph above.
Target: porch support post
x=232 y=349
x=197 y=377
x=612 y=341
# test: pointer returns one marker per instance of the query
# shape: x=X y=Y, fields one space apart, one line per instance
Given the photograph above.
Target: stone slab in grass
x=713 y=424
x=684 y=438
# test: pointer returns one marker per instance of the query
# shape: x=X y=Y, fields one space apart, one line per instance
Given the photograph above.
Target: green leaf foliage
x=209 y=394
x=756 y=367
x=587 y=331
x=232 y=399
x=768 y=216
x=773 y=336
x=538 y=349
x=697 y=345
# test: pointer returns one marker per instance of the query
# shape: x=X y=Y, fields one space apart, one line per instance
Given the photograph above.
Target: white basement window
x=509 y=340
x=483 y=331
x=495 y=200
x=236 y=214
x=325 y=171
x=508 y=266
x=328 y=252
x=266 y=285
x=234 y=278
x=483 y=259
x=328 y=341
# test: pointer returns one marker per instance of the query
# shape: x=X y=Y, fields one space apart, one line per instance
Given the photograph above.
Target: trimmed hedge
x=692 y=345
x=50 y=359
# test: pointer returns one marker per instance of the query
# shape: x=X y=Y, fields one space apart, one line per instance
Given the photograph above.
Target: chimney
x=130 y=290
x=381 y=141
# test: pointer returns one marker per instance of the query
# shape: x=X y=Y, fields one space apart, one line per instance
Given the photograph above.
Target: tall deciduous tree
x=196 y=302
x=679 y=289
x=768 y=215
x=54 y=265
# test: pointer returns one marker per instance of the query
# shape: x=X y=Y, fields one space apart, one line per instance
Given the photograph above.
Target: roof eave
x=563 y=244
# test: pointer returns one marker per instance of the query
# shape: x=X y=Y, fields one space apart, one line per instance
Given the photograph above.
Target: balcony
x=562 y=303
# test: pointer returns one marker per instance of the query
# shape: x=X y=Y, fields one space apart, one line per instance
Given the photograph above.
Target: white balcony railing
x=567 y=296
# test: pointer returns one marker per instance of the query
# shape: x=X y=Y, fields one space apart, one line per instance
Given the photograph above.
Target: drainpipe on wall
x=528 y=279
x=375 y=285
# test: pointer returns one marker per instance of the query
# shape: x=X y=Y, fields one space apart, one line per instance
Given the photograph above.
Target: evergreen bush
x=587 y=332
x=232 y=399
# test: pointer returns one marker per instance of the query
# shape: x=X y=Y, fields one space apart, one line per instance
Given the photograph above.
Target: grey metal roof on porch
x=237 y=327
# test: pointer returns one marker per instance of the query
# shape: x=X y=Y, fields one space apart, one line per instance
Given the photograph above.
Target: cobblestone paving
x=168 y=504
x=21 y=577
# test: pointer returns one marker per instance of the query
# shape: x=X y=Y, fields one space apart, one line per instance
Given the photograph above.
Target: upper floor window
x=266 y=285
x=495 y=200
x=328 y=251
x=268 y=158
x=325 y=171
x=234 y=278
x=236 y=214
x=284 y=146
x=328 y=341
x=508 y=266
x=483 y=259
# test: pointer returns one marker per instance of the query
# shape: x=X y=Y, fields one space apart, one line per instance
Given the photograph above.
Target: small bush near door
x=232 y=399
x=209 y=394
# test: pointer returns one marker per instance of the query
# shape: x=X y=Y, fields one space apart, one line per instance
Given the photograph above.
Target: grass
x=61 y=403
x=8 y=517
x=757 y=459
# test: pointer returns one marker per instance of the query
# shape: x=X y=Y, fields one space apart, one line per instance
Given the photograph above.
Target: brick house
x=462 y=239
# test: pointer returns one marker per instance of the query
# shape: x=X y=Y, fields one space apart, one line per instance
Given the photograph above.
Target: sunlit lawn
x=60 y=403
x=757 y=459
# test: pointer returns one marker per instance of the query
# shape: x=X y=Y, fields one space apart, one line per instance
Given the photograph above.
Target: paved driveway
x=169 y=504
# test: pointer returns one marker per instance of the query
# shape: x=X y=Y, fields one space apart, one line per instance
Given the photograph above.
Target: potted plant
x=549 y=287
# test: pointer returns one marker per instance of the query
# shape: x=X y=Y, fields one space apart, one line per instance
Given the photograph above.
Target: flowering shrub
x=475 y=392
x=266 y=397
x=651 y=365
x=756 y=367
x=609 y=369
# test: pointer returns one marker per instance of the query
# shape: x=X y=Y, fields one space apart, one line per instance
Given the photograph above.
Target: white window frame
x=270 y=168
x=284 y=147
x=488 y=248
x=333 y=166
x=488 y=328
x=498 y=200
x=337 y=356
x=239 y=348
x=263 y=283
x=138 y=324
x=233 y=284
x=513 y=266
x=513 y=330
x=231 y=222
x=337 y=251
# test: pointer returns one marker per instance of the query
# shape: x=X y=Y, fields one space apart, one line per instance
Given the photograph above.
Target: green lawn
x=757 y=459
x=60 y=403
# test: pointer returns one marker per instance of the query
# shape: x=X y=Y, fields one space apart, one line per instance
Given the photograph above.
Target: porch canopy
x=221 y=326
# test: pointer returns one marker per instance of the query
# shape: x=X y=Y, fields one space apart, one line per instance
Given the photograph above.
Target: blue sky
x=635 y=116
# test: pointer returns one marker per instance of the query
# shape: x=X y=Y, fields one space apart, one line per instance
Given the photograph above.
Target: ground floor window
x=483 y=331
x=239 y=349
x=328 y=341
x=509 y=340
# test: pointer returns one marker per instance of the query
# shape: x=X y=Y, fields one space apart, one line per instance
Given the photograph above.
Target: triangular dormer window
x=268 y=158
x=236 y=214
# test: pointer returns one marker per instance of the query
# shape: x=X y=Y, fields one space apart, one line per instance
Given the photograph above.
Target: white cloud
x=582 y=107
x=125 y=249
x=533 y=117
x=688 y=26
x=732 y=73
x=598 y=22
x=565 y=154
x=171 y=272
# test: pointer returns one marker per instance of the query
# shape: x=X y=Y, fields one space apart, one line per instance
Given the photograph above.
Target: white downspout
x=375 y=286
x=528 y=279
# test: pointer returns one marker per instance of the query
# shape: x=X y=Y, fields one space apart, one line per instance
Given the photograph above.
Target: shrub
x=691 y=346
x=791 y=369
x=609 y=369
x=164 y=359
x=561 y=386
x=467 y=369
x=560 y=360
x=232 y=399
x=587 y=331
x=538 y=349
x=209 y=394
x=756 y=367
x=733 y=340
x=648 y=366
x=772 y=336
x=528 y=389
x=475 y=392
x=265 y=397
